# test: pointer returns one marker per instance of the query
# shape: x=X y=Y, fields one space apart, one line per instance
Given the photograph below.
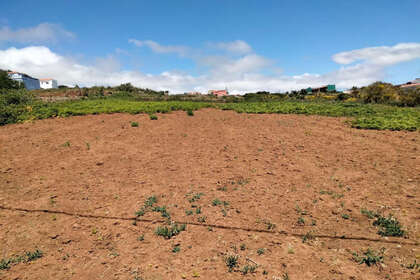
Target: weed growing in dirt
x=301 y=221
x=248 y=268
x=261 y=251
x=134 y=124
x=389 y=226
x=190 y=112
x=147 y=205
x=188 y=212
x=223 y=189
x=224 y=213
x=66 y=144
x=198 y=210
x=153 y=117
x=369 y=257
x=162 y=210
x=285 y=276
x=195 y=197
x=231 y=262
x=368 y=213
x=414 y=265
x=269 y=225
x=308 y=237
x=140 y=238
x=345 y=216
x=27 y=257
x=216 y=202
x=176 y=248
x=242 y=247
x=168 y=232
x=202 y=219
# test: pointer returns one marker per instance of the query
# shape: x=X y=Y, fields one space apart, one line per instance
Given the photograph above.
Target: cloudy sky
x=186 y=45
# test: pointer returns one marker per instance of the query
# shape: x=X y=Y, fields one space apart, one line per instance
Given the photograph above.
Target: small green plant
x=66 y=144
x=345 y=216
x=190 y=112
x=134 y=124
x=150 y=201
x=162 y=210
x=198 y=210
x=414 y=265
x=223 y=189
x=261 y=251
x=153 y=117
x=307 y=237
x=216 y=202
x=248 y=268
x=176 y=248
x=269 y=225
x=188 y=212
x=301 y=221
x=168 y=232
x=201 y=219
x=87 y=146
x=195 y=197
x=388 y=226
x=369 y=257
x=224 y=212
x=140 y=238
x=368 y=213
x=231 y=262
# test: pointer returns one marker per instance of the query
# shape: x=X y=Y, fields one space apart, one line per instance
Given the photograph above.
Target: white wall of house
x=48 y=84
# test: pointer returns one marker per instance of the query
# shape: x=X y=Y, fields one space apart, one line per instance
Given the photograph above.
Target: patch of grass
x=169 y=231
x=260 y=251
x=389 y=226
x=369 y=257
x=232 y=262
x=153 y=117
x=134 y=124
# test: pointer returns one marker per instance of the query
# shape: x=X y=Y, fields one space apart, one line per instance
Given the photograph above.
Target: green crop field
x=364 y=116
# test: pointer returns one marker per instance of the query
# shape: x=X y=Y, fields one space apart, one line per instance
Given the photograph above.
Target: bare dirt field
x=282 y=192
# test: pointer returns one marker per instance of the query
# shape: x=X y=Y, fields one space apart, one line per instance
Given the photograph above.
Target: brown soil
x=269 y=168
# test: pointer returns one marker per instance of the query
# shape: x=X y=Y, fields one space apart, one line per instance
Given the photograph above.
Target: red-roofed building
x=219 y=93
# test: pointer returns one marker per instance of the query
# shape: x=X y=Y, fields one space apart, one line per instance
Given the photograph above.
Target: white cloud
x=236 y=47
x=246 y=73
x=42 y=33
x=383 y=55
x=158 y=48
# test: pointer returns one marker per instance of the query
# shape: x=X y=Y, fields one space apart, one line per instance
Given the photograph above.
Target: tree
x=7 y=83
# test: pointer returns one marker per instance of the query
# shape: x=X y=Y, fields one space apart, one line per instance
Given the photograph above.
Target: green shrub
x=153 y=117
x=369 y=257
x=231 y=262
x=190 y=112
x=389 y=226
x=134 y=124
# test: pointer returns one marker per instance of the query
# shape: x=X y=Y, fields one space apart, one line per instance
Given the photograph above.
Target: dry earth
x=98 y=171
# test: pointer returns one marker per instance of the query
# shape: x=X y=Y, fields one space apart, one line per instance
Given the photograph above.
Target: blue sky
x=199 y=45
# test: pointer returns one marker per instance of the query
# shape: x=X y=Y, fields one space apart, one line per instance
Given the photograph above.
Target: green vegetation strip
x=19 y=106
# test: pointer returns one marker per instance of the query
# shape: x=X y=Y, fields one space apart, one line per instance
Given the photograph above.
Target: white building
x=48 y=83
x=29 y=82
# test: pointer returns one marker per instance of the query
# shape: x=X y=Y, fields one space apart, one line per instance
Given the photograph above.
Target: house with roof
x=48 y=83
x=29 y=82
x=412 y=84
x=219 y=93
